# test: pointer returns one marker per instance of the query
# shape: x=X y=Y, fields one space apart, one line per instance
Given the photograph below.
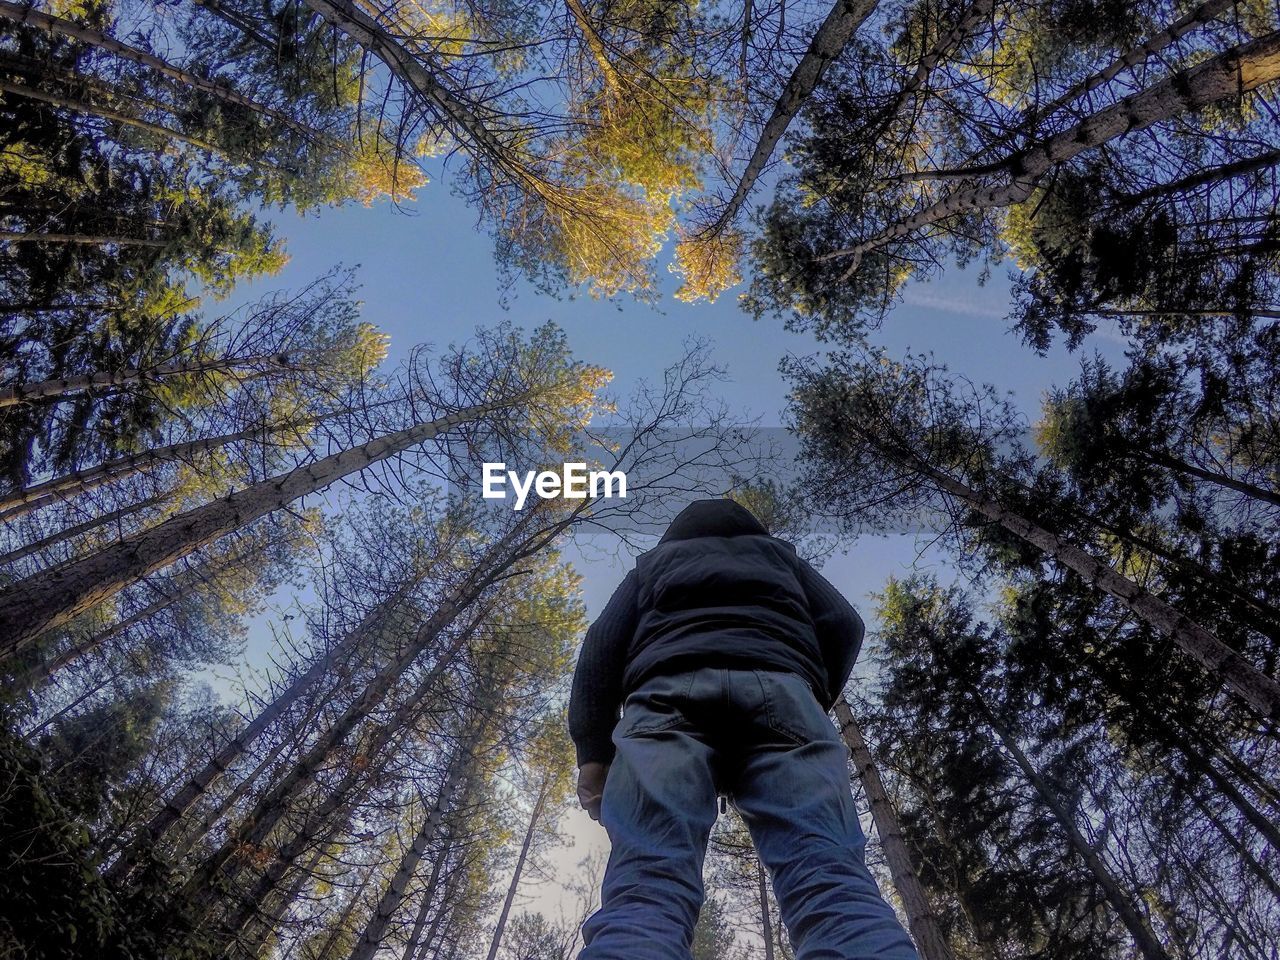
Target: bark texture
x=827 y=44
x=50 y=599
x=1231 y=73
x=930 y=942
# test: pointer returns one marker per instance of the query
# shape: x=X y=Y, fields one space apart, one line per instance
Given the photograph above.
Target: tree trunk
x=177 y=806
x=21 y=236
x=428 y=895
x=977 y=12
x=241 y=23
x=1190 y=312
x=959 y=888
x=93 y=110
x=1211 y=476
x=340 y=923
x=1203 y=765
x=74 y=31
x=43 y=602
x=828 y=43
x=766 y=920
x=1191 y=20
x=21 y=553
x=110 y=381
x=432 y=823
x=39 y=674
x=1143 y=937
x=596 y=46
x=930 y=942
x=1230 y=74
x=458 y=116
x=1250 y=684
x=1206 y=175
x=253 y=942
x=170 y=594
x=38 y=495
x=376 y=745
x=275 y=803
x=450 y=887
x=183 y=844
x=257 y=924
x=501 y=926
x=257 y=827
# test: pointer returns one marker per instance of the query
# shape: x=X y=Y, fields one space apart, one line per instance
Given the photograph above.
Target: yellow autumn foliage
x=375 y=173
x=708 y=266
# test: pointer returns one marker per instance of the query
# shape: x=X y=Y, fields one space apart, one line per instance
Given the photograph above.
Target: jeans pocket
x=791 y=709
x=655 y=704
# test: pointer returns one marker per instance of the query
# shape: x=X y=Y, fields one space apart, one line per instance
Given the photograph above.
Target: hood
x=713 y=518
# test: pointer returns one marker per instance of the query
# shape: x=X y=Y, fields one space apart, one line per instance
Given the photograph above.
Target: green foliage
x=903 y=169
x=53 y=903
x=713 y=937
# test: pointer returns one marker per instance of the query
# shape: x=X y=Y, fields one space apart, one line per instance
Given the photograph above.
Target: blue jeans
x=762 y=738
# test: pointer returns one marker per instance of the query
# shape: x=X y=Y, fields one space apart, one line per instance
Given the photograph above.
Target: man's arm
x=838 y=626
x=597 y=681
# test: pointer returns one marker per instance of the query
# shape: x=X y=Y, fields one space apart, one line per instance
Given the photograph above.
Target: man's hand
x=591 y=777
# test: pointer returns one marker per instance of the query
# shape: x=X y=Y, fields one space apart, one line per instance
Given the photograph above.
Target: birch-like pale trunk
x=428 y=896
x=930 y=942
x=389 y=904
x=176 y=807
x=1144 y=937
x=501 y=926
x=57 y=489
x=1230 y=74
x=45 y=601
x=827 y=44
x=275 y=803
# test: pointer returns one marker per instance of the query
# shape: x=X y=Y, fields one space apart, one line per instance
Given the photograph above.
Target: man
x=729 y=650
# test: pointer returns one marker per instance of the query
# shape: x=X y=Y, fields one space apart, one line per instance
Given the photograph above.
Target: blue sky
x=427 y=276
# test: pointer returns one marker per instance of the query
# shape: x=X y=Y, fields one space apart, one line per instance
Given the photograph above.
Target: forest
x=1065 y=741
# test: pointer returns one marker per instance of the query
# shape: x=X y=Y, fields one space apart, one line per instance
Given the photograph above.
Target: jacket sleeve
x=597 y=682
x=839 y=628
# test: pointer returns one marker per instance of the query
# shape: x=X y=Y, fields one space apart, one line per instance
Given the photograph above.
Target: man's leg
x=659 y=805
x=793 y=792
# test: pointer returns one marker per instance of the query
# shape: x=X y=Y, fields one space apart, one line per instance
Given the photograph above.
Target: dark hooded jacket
x=717 y=590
